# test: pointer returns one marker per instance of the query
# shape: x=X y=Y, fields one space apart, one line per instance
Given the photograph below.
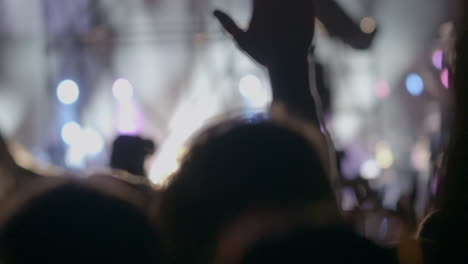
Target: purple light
x=438 y=59
x=435 y=185
x=351 y=164
x=445 y=78
x=382 y=89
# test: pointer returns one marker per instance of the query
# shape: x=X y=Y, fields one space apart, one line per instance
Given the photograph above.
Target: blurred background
x=76 y=73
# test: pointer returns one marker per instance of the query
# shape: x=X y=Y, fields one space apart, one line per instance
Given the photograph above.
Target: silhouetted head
x=74 y=223
x=2 y=144
x=330 y=245
x=233 y=168
x=5 y=156
x=130 y=152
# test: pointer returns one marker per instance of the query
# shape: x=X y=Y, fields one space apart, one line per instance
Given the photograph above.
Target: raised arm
x=279 y=37
x=339 y=24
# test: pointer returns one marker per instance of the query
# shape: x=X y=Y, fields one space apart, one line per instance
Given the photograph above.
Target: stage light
x=75 y=157
x=433 y=122
x=382 y=89
x=445 y=78
x=81 y=142
x=127 y=118
x=346 y=127
x=384 y=155
x=92 y=141
x=71 y=133
x=421 y=156
x=252 y=89
x=370 y=170
x=122 y=90
x=414 y=84
x=68 y=92
x=438 y=59
x=368 y=25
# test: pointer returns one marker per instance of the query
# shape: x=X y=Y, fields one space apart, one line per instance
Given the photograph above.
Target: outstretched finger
x=228 y=24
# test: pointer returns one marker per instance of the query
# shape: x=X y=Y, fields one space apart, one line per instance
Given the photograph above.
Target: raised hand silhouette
x=279 y=31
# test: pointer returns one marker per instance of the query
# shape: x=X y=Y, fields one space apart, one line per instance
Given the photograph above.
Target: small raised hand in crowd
x=279 y=37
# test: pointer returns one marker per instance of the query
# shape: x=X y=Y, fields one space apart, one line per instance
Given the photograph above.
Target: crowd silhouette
x=250 y=190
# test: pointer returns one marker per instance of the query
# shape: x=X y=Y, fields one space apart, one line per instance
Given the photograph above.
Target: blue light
x=414 y=84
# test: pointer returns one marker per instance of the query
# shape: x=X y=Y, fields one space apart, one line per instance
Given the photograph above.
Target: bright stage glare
x=71 y=133
x=68 y=92
x=75 y=157
x=370 y=170
x=414 y=84
x=127 y=118
x=122 y=90
x=82 y=144
x=93 y=141
x=252 y=89
x=87 y=141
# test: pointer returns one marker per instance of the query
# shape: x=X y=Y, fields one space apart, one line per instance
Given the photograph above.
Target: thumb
x=228 y=24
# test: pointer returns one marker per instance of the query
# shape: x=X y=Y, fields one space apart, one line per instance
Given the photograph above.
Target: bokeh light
x=252 y=89
x=71 y=133
x=382 y=89
x=384 y=155
x=433 y=122
x=92 y=141
x=414 y=84
x=82 y=143
x=122 y=90
x=355 y=155
x=68 y=92
x=75 y=157
x=370 y=170
x=128 y=119
x=445 y=78
x=368 y=25
x=345 y=127
x=438 y=59
x=420 y=156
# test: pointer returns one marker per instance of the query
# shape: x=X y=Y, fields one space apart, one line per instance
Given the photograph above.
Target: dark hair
x=74 y=223
x=5 y=156
x=129 y=154
x=2 y=143
x=330 y=245
x=452 y=195
x=232 y=167
x=447 y=228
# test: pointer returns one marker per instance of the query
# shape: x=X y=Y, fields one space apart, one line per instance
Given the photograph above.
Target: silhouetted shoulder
x=329 y=245
x=78 y=223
